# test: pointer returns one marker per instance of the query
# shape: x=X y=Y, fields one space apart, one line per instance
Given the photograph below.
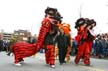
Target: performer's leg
x=52 y=57
x=16 y=54
x=79 y=53
x=68 y=54
x=17 y=59
x=87 y=54
x=47 y=53
x=64 y=54
x=56 y=52
x=61 y=56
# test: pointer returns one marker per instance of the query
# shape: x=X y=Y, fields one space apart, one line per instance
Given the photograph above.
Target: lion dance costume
x=24 y=49
x=84 y=39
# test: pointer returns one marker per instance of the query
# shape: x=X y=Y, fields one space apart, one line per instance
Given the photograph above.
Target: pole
x=80 y=12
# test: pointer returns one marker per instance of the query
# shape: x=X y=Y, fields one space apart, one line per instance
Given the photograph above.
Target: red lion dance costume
x=85 y=40
x=24 y=49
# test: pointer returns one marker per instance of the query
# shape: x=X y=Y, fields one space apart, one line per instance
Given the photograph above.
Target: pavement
x=37 y=63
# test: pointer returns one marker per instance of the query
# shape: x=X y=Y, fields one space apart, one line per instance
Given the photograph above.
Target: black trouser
x=1 y=48
x=62 y=54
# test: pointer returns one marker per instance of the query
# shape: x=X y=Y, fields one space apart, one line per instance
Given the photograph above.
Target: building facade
x=21 y=34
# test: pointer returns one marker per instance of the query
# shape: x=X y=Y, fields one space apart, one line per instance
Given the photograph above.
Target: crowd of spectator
x=100 y=47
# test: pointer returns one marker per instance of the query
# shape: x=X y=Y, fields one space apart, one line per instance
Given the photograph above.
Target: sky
x=28 y=14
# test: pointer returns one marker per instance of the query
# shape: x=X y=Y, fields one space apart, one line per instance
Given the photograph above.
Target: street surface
x=37 y=63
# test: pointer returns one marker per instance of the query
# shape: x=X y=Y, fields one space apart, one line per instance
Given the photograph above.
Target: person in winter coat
x=63 y=41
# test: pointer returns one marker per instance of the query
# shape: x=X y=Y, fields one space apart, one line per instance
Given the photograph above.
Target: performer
x=50 y=43
x=24 y=49
x=81 y=25
x=62 y=43
x=67 y=31
x=49 y=48
x=85 y=43
x=56 y=47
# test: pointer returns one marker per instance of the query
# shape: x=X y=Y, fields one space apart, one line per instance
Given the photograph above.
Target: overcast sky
x=28 y=14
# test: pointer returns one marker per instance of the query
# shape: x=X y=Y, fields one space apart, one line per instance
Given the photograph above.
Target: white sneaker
x=17 y=64
x=53 y=66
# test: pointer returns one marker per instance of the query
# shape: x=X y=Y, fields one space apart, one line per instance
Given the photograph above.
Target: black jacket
x=63 y=40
